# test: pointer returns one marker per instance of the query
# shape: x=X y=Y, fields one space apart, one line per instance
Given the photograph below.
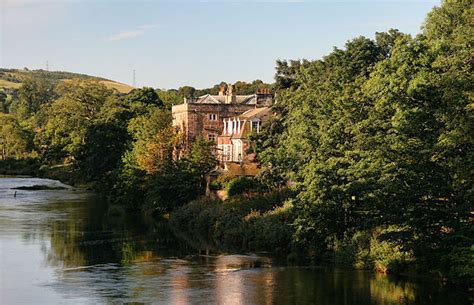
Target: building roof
x=221 y=99
x=255 y=113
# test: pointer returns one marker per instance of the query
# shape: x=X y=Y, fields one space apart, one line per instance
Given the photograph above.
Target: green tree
x=147 y=130
x=287 y=73
x=199 y=161
x=144 y=97
x=187 y=91
x=14 y=141
x=104 y=144
x=144 y=127
x=177 y=182
x=380 y=133
x=170 y=97
x=4 y=106
x=449 y=34
x=33 y=94
x=70 y=117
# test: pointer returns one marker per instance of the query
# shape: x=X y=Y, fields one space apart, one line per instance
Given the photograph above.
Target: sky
x=196 y=43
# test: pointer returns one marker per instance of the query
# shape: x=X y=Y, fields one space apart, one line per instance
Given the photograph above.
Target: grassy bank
x=240 y=224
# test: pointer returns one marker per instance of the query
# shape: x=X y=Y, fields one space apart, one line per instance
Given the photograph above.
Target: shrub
x=270 y=230
x=387 y=255
x=215 y=185
x=354 y=250
x=241 y=185
x=369 y=250
x=238 y=224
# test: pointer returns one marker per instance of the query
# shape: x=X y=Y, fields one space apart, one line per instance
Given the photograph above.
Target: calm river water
x=66 y=247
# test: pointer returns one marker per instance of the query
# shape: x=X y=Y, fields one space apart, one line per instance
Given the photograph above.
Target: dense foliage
x=121 y=145
x=259 y=223
x=380 y=134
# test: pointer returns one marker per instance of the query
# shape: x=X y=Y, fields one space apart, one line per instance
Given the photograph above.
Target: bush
x=354 y=251
x=387 y=255
x=171 y=189
x=215 y=185
x=368 y=250
x=260 y=223
x=269 y=231
x=241 y=185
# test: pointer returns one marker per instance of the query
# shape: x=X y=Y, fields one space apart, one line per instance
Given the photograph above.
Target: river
x=67 y=247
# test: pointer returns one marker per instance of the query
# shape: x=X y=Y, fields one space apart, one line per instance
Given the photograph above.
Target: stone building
x=204 y=116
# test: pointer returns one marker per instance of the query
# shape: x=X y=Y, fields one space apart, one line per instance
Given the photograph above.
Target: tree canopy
x=380 y=133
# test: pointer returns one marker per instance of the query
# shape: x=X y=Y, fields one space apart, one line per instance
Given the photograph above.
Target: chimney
x=222 y=90
x=230 y=98
x=264 y=97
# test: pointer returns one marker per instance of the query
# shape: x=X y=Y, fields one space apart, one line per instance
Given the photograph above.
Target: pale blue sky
x=197 y=43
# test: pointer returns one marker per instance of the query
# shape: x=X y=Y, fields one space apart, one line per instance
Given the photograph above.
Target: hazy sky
x=197 y=43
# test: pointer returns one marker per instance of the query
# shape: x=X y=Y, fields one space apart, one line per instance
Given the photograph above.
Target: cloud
x=129 y=34
x=126 y=35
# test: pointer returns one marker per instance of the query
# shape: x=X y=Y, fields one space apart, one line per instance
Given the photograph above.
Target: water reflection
x=61 y=247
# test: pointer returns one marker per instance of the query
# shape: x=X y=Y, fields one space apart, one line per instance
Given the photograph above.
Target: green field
x=12 y=78
x=8 y=84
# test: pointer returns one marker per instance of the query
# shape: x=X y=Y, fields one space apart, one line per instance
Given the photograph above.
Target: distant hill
x=12 y=78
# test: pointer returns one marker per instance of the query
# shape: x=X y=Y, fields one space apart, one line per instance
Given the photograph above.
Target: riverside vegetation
x=367 y=161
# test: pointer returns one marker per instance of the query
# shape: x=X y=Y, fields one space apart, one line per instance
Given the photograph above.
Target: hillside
x=13 y=78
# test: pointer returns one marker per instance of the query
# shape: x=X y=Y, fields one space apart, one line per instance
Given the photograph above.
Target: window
x=226 y=155
x=255 y=126
x=211 y=137
x=212 y=117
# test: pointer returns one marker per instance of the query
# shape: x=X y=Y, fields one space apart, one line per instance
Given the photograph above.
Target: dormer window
x=212 y=117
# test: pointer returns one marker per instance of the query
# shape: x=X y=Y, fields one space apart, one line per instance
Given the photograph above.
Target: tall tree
x=4 y=107
x=381 y=133
x=71 y=115
x=33 y=94
x=144 y=97
x=14 y=141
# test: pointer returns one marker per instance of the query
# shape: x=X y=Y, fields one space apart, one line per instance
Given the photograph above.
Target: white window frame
x=212 y=117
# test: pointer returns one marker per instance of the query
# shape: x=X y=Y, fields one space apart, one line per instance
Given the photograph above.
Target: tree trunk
x=3 y=150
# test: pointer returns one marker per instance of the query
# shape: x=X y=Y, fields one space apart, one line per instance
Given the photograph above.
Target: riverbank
x=240 y=224
x=269 y=221
x=66 y=173
x=266 y=223
x=20 y=167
